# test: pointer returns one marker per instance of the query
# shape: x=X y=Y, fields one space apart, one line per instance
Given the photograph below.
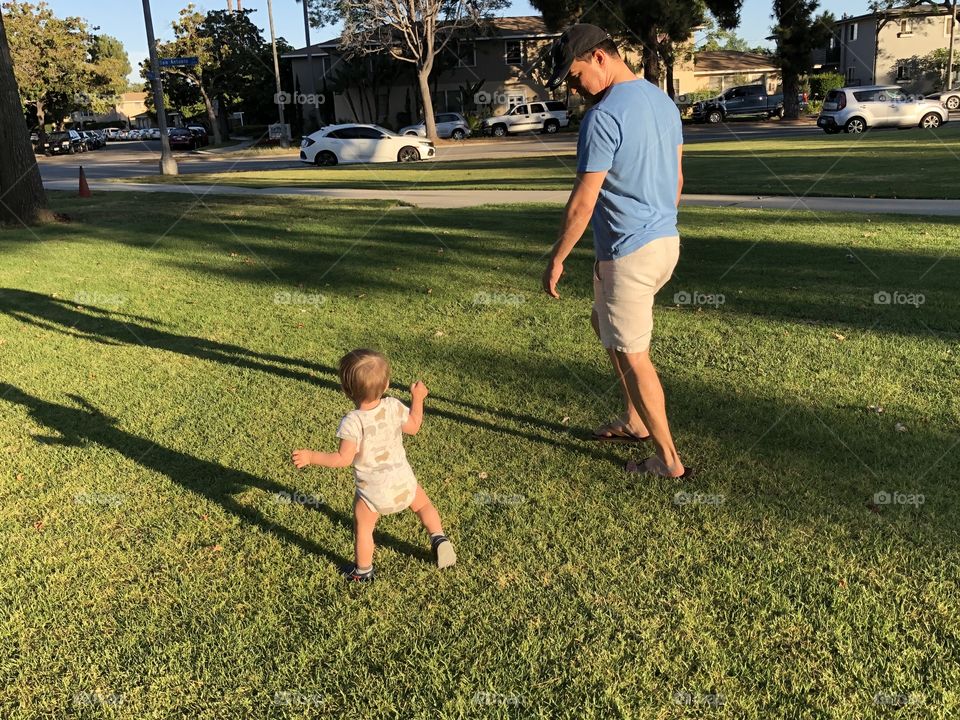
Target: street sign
x=177 y=62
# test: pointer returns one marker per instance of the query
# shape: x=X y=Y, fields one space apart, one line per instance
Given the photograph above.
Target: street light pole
x=168 y=166
x=953 y=27
x=284 y=141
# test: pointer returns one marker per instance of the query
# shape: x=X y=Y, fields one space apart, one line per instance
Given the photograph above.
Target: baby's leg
x=364 y=520
x=427 y=513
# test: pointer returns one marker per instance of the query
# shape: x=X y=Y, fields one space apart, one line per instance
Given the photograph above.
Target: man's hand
x=302 y=458
x=418 y=390
x=551 y=276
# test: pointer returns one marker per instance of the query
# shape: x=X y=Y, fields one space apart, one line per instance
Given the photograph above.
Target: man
x=628 y=180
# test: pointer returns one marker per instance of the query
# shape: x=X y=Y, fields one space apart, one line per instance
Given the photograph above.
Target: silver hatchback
x=854 y=109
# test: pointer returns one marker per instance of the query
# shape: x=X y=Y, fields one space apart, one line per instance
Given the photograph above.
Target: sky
x=124 y=20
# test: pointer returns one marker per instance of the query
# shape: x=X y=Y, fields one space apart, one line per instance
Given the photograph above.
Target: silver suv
x=854 y=109
x=545 y=115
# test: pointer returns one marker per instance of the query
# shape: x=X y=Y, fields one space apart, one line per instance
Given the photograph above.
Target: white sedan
x=344 y=144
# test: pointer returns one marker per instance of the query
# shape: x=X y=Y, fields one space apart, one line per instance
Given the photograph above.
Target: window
x=367 y=133
x=520 y=110
x=903 y=71
x=852 y=31
x=755 y=91
x=467 y=52
x=555 y=106
x=851 y=74
x=833 y=42
x=536 y=108
x=514 y=52
x=906 y=28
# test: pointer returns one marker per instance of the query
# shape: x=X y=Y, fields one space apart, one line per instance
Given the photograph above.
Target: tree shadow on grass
x=77 y=426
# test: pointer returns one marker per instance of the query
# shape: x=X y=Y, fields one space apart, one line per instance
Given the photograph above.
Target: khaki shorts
x=623 y=291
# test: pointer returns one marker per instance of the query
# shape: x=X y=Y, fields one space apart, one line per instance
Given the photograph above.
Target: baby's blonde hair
x=364 y=374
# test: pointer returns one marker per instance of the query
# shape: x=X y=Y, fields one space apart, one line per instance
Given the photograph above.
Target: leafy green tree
x=798 y=33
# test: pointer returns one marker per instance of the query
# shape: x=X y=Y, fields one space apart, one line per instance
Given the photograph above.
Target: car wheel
x=551 y=126
x=458 y=134
x=714 y=117
x=325 y=158
x=930 y=121
x=953 y=102
x=499 y=130
x=408 y=154
x=855 y=125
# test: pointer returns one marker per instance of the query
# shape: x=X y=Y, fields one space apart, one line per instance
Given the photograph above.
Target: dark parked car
x=742 y=101
x=64 y=143
x=91 y=140
x=181 y=139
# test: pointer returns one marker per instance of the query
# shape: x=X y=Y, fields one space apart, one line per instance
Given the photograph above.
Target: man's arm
x=576 y=217
x=679 y=173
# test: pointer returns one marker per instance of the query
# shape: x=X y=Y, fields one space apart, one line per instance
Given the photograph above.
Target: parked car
x=544 y=115
x=113 y=133
x=449 y=125
x=200 y=135
x=950 y=99
x=64 y=143
x=355 y=143
x=181 y=139
x=742 y=101
x=91 y=140
x=855 y=109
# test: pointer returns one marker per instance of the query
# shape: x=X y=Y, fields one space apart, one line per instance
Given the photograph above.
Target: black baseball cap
x=576 y=40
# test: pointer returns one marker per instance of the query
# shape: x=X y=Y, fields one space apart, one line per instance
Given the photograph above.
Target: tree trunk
x=651 y=60
x=668 y=65
x=22 y=198
x=791 y=88
x=423 y=80
x=211 y=116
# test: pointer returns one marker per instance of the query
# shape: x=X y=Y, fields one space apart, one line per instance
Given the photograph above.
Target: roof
x=922 y=10
x=501 y=28
x=724 y=61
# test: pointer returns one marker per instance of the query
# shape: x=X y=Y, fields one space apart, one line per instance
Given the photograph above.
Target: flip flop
x=633 y=466
x=624 y=437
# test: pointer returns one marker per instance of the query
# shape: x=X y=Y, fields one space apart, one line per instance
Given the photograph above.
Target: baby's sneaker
x=443 y=550
x=353 y=574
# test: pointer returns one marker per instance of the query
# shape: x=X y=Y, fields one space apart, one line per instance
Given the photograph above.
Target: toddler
x=371 y=439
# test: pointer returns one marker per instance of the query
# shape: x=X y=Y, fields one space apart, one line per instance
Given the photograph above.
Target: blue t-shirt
x=632 y=133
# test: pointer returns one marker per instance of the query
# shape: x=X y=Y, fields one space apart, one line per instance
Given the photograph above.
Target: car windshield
x=60 y=136
x=384 y=131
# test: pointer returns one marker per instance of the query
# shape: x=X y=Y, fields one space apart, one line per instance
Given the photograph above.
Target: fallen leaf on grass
x=900 y=427
x=839 y=337
x=565 y=419
x=483 y=476
x=39 y=525
x=873 y=508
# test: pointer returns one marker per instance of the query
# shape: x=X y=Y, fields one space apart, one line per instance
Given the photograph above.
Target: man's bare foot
x=653 y=465
x=622 y=430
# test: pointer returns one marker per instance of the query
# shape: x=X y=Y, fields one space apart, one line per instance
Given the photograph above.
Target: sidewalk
x=474 y=198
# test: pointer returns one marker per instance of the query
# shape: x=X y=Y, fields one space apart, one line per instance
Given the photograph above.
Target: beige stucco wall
x=927 y=34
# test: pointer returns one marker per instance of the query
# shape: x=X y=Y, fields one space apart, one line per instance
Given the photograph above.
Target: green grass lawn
x=882 y=163
x=161 y=359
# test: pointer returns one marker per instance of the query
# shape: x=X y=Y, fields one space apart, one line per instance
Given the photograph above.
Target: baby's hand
x=418 y=390
x=302 y=458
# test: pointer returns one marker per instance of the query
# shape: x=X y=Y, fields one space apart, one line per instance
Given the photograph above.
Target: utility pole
x=953 y=28
x=315 y=112
x=168 y=166
x=285 y=141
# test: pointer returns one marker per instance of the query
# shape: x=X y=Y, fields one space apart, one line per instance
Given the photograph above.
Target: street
x=137 y=158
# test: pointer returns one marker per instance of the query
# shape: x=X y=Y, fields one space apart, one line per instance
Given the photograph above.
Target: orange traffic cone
x=84 y=188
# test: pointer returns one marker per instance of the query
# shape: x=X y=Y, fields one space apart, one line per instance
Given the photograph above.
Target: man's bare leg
x=646 y=393
x=630 y=420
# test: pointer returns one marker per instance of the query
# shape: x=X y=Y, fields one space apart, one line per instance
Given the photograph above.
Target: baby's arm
x=342 y=458
x=418 y=392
